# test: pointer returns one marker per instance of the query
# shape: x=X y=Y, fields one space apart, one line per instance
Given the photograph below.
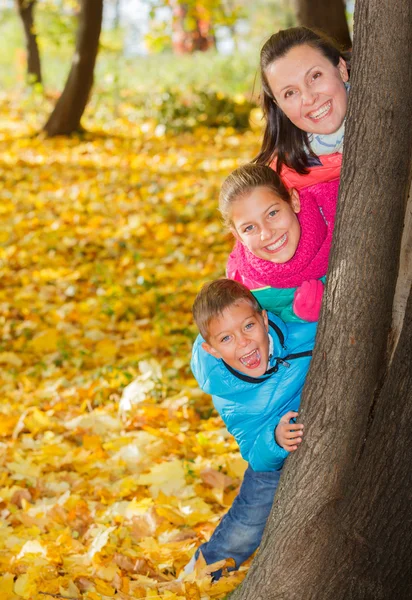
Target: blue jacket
x=251 y=407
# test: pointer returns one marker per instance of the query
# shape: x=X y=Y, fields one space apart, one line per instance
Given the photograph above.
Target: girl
x=283 y=239
x=304 y=100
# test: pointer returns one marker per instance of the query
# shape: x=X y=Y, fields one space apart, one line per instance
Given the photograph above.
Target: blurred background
x=173 y=63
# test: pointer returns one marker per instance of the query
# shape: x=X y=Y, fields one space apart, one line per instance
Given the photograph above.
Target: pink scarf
x=310 y=261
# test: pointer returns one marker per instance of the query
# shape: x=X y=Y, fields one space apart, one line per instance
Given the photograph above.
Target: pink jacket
x=328 y=171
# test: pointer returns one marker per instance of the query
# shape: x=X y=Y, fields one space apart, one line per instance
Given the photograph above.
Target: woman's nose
x=308 y=97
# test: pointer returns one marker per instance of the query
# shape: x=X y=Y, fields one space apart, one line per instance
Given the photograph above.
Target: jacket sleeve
x=262 y=452
x=265 y=453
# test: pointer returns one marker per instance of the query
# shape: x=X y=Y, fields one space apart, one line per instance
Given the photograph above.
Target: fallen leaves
x=106 y=240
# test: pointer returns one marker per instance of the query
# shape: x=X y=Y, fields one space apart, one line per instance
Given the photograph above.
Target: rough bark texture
x=340 y=524
x=65 y=119
x=327 y=15
x=25 y=9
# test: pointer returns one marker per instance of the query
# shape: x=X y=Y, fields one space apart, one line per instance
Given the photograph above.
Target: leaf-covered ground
x=105 y=241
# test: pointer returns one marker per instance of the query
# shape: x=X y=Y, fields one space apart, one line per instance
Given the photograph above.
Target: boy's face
x=240 y=337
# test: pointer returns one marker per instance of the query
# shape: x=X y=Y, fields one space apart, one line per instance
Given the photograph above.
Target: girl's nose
x=265 y=233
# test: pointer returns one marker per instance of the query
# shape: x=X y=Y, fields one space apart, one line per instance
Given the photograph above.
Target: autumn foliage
x=105 y=241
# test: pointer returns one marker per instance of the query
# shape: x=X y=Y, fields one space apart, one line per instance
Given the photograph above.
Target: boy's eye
x=225 y=339
x=249 y=326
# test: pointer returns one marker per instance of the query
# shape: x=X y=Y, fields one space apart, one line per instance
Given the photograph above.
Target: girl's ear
x=343 y=69
x=295 y=200
x=210 y=350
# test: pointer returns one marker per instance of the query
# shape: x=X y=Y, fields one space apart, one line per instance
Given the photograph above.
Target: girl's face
x=309 y=89
x=266 y=224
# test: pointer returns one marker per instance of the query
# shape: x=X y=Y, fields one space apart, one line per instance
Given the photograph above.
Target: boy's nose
x=242 y=341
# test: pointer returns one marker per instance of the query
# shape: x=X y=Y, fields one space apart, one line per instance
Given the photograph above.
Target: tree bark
x=340 y=523
x=327 y=15
x=65 y=118
x=25 y=9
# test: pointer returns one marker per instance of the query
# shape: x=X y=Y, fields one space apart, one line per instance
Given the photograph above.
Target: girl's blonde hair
x=243 y=181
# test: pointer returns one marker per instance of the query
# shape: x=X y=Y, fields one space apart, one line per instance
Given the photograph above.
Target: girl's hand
x=308 y=300
x=289 y=435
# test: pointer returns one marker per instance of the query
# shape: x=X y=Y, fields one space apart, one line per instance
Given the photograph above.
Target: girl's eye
x=289 y=93
x=273 y=213
x=248 y=229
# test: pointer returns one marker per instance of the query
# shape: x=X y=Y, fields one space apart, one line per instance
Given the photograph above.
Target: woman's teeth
x=251 y=360
x=321 y=112
x=277 y=244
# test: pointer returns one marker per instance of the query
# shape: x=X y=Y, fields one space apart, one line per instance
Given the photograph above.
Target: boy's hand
x=289 y=435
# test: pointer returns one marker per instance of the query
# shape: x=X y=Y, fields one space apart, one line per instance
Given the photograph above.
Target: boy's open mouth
x=251 y=360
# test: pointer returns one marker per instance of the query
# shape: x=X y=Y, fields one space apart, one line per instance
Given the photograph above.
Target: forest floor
x=105 y=241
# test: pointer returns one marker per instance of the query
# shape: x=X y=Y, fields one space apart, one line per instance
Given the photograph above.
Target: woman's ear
x=295 y=200
x=210 y=350
x=343 y=69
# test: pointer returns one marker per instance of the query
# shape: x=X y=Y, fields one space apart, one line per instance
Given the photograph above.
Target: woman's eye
x=316 y=75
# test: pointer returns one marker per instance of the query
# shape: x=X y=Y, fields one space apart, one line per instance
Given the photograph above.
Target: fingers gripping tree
x=340 y=526
x=65 y=118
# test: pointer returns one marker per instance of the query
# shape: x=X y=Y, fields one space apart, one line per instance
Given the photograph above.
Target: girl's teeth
x=278 y=244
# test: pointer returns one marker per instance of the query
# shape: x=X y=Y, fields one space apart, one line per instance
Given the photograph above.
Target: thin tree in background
x=66 y=116
x=340 y=527
x=25 y=8
x=327 y=15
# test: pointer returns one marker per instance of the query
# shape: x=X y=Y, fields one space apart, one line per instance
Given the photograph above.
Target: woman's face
x=309 y=89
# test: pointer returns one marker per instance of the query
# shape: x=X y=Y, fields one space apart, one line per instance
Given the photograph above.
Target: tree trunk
x=340 y=526
x=65 y=119
x=327 y=15
x=25 y=9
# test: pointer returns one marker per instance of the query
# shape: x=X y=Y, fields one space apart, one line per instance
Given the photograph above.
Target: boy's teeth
x=250 y=358
x=320 y=112
x=277 y=244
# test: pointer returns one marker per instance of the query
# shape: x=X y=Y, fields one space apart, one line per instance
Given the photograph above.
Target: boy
x=254 y=365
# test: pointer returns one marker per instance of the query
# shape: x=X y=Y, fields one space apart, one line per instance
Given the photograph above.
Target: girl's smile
x=309 y=89
x=266 y=224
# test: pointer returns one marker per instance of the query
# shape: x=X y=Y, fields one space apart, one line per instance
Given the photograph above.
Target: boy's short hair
x=215 y=297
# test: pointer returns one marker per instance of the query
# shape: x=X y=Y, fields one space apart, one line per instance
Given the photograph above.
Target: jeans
x=240 y=531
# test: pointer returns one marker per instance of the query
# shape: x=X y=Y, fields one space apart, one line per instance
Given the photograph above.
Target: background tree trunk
x=341 y=522
x=65 y=119
x=25 y=9
x=327 y=15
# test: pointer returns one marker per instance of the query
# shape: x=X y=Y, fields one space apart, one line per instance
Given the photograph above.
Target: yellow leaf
x=106 y=349
x=9 y=358
x=46 y=341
